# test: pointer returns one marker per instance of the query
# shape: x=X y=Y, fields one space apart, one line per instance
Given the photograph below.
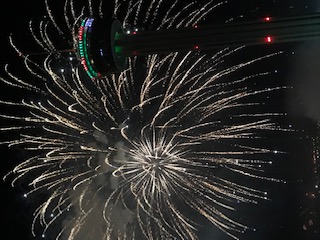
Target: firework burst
x=137 y=154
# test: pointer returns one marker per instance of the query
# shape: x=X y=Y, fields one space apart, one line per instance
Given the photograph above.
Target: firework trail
x=139 y=154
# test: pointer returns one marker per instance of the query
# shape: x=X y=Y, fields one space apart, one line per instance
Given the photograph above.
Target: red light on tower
x=268 y=39
x=267 y=19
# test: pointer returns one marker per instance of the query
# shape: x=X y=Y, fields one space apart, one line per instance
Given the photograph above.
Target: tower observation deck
x=104 y=46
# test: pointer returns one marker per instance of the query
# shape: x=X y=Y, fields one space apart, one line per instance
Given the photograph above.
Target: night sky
x=293 y=212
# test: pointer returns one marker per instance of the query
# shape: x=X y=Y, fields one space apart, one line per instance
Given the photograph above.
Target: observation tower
x=104 y=47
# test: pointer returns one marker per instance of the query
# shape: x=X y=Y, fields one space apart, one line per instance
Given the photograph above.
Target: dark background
x=289 y=213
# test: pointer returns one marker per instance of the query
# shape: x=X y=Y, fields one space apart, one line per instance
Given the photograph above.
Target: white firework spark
x=135 y=155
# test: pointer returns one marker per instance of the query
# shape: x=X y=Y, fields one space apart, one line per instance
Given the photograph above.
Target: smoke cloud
x=304 y=76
